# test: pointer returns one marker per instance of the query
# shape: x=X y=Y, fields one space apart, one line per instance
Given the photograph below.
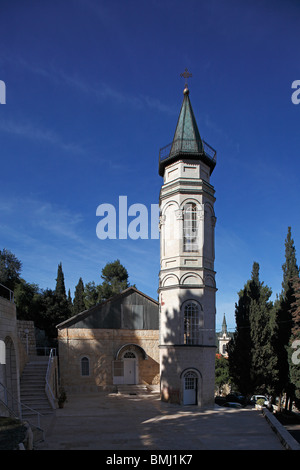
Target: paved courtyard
x=142 y=422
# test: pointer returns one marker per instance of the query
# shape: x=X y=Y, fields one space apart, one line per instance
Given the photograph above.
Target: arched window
x=191 y=323
x=129 y=355
x=190 y=380
x=190 y=227
x=85 y=366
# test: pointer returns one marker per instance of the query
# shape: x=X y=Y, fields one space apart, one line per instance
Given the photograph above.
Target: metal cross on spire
x=186 y=75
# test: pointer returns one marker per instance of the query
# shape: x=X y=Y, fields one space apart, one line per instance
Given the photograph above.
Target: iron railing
x=189 y=146
x=6 y=293
x=6 y=397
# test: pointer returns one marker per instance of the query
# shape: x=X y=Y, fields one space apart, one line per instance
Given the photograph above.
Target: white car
x=254 y=399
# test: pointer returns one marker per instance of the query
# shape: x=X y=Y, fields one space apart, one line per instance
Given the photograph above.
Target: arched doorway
x=126 y=364
x=130 y=369
x=190 y=388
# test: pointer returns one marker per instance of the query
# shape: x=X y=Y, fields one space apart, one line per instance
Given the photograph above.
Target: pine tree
x=78 y=303
x=60 y=289
x=115 y=280
x=283 y=312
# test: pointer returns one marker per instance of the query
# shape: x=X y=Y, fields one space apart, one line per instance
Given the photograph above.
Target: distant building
x=223 y=338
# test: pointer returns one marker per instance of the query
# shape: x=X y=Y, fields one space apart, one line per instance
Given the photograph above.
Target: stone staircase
x=32 y=390
x=140 y=389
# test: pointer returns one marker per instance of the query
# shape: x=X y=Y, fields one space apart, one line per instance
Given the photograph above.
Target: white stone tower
x=187 y=286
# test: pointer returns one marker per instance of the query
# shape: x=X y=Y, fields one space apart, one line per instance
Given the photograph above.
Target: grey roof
x=111 y=313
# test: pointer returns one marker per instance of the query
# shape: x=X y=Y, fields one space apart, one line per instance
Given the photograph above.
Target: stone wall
x=26 y=333
x=26 y=338
x=101 y=346
x=9 y=363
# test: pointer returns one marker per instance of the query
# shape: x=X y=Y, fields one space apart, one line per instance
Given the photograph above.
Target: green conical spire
x=224 y=326
x=187 y=136
x=187 y=142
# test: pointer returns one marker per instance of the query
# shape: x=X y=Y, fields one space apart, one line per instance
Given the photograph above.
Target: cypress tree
x=294 y=346
x=251 y=358
x=283 y=314
x=264 y=374
x=60 y=289
x=78 y=303
x=70 y=302
x=239 y=347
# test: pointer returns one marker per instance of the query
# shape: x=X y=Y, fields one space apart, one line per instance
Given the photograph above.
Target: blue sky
x=93 y=91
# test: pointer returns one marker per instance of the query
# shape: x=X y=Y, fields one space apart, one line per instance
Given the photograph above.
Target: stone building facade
x=111 y=344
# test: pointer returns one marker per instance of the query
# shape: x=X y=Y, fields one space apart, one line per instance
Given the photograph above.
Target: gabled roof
x=79 y=317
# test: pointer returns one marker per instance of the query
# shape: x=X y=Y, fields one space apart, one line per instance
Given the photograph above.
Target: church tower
x=187 y=286
x=223 y=338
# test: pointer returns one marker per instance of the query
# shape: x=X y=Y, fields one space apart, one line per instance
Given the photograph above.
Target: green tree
x=239 y=347
x=283 y=318
x=54 y=309
x=264 y=373
x=27 y=300
x=91 y=294
x=10 y=269
x=222 y=376
x=294 y=345
x=60 y=288
x=252 y=363
x=115 y=280
x=70 y=301
x=78 y=303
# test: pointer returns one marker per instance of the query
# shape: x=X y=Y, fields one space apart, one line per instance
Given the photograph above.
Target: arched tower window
x=191 y=323
x=85 y=366
x=190 y=227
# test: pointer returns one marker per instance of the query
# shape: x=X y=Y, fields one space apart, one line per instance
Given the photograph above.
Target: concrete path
x=142 y=422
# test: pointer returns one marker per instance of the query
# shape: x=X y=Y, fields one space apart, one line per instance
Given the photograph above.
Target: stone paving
x=142 y=422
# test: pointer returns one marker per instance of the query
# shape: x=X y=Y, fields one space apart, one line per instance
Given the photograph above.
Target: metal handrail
x=20 y=405
x=11 y=294
x=48 y=387
x=45 y=350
